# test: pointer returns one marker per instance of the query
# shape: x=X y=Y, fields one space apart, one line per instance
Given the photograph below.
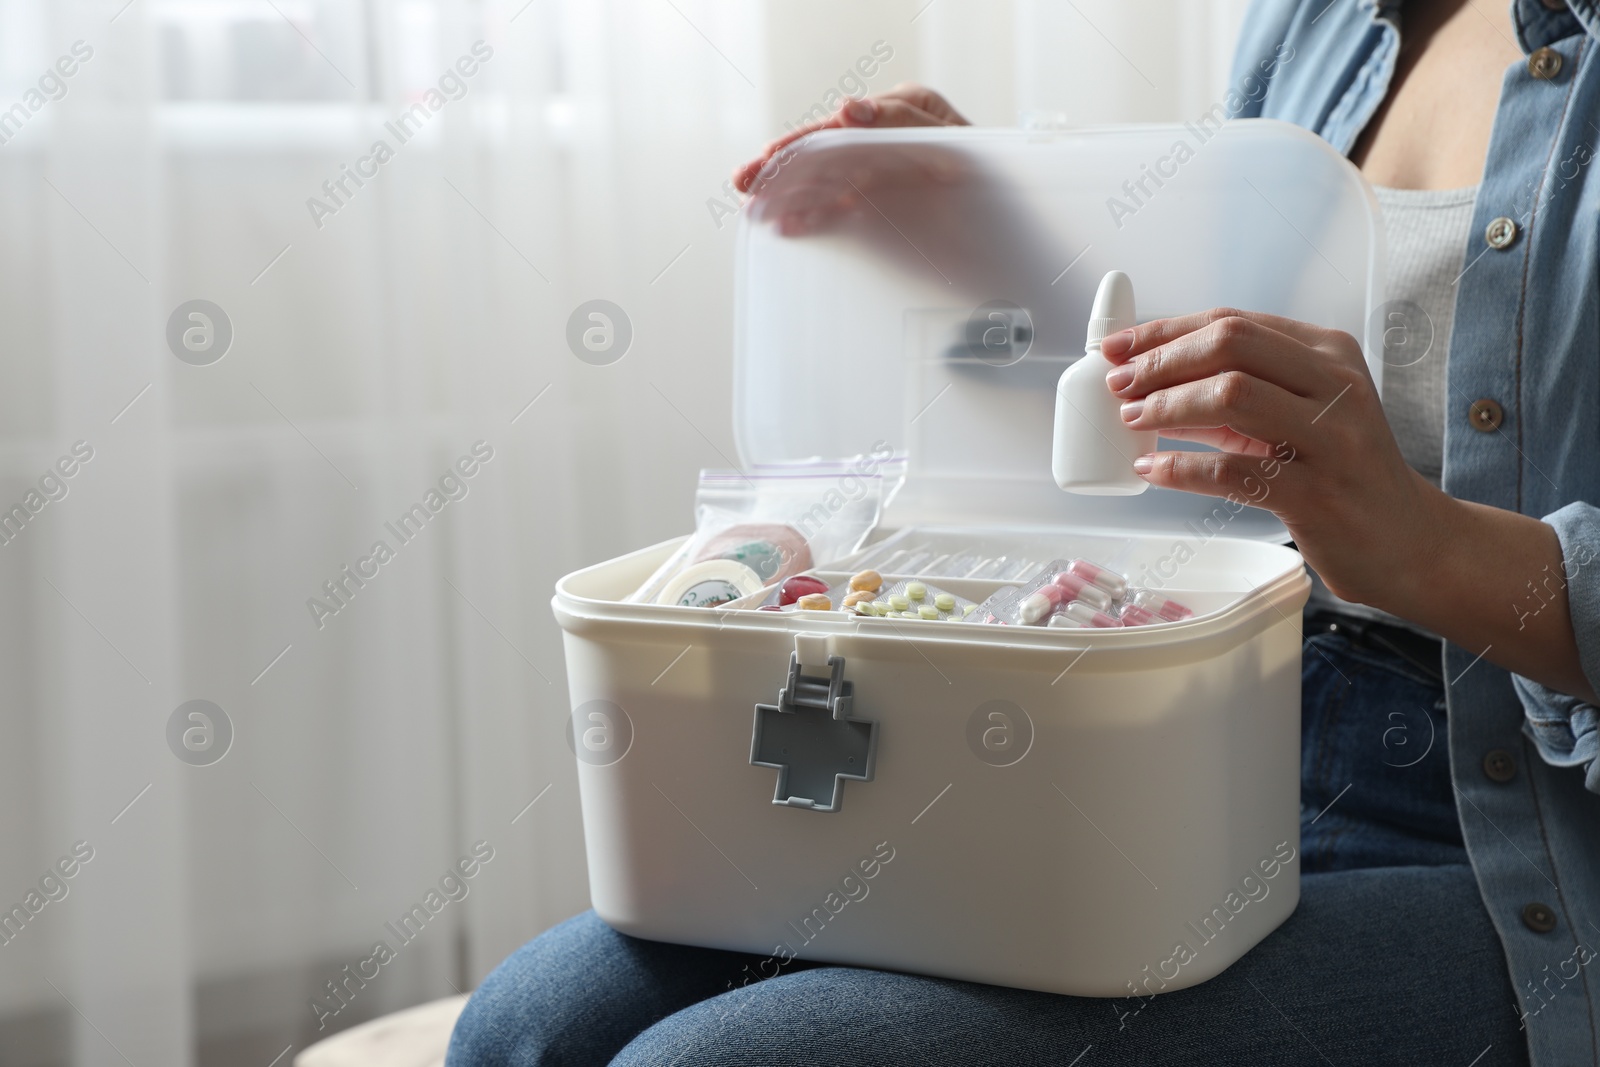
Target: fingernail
x=1143 y=464
x=861 y=110
x=1117 y=343
x=1131 y=409
x=1119 y=377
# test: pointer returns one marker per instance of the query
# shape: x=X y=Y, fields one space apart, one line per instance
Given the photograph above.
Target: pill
x=798 y=586
x=880 y=607
x=1066 y=621
x=1089 y=615
x=969 y=609
x=814 y=602
x=928 y=611
x=1134 y=615
x=916 y=590
x=944 y=602
x=857 y=597
x=1104 y=577
x=956 y=617
x=1154 y=602
x=871 y=581
x=1039 y=604
x=899 y=603
x=1080 y=588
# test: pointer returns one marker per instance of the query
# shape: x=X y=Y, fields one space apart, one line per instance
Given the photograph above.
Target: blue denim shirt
x=1527 y=337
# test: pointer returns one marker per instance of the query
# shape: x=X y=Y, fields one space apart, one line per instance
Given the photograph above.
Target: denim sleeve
x=1566 y=729
x=1265 y=28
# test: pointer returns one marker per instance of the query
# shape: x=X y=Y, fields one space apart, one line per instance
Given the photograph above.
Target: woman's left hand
x=1302 y=433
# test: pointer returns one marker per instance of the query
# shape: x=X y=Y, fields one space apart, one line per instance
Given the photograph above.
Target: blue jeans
x=1389 y=959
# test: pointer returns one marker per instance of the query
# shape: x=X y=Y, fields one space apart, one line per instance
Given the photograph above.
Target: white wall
x=420 y=318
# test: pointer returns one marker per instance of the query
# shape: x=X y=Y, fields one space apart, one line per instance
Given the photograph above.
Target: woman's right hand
x=904 y=105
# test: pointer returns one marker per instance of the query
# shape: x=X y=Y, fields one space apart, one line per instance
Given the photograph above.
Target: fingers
x=745 y=175
x=1126 y=344
x=904 y=105
x=1206 y=473
x=1230 y=343
x=1221 y=437
x=928 y=101
x=1249 y=406
x=889 y=111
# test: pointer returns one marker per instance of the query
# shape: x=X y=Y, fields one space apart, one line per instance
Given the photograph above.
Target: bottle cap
x=1113 y=308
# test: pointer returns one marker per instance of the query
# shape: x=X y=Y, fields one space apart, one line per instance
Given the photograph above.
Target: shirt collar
x=1538 y=24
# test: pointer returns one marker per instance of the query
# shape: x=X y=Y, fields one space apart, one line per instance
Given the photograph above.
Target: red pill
x=798 y=586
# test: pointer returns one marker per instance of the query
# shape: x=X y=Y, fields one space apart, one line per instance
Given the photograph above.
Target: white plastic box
x=1083 y=812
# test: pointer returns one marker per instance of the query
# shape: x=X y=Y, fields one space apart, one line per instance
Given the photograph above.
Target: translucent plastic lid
x=926 y=288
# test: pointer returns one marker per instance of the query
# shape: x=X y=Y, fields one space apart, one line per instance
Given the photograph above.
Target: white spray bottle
x=1094 y=449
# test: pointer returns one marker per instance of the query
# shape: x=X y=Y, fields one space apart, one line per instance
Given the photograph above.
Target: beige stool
x=416 y=1037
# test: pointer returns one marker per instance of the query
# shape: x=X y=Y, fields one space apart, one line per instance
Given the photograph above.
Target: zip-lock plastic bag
x=759 y=527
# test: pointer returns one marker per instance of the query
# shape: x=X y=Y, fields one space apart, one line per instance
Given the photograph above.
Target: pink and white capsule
x=1134 y=615
x=1087 y=614
x=1154 y=602
x=1078 y=587
x=1041 y=603
x=1113 y=583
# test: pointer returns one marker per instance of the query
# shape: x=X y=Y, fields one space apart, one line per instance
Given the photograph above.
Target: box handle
x=811 y=739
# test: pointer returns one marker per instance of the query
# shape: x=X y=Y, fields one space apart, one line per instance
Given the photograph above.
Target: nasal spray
x=1094 y=449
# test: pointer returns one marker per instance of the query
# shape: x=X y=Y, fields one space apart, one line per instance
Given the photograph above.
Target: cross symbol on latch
x=811 y=739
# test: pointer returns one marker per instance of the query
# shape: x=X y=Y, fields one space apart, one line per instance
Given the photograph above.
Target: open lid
x=927 y=287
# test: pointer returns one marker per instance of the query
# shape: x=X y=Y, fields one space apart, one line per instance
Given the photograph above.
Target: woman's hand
x=904 y=105
x=1303 y=435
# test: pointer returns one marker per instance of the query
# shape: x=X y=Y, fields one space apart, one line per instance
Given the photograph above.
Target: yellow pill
x=899 y=603
x=928 y=611
x=870 y=581
x=881 y=607
x=916 y=590
x=857 y=597
x=944 y=602
x=814 y=602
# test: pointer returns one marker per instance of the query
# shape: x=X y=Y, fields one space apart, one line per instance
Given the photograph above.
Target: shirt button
x=1544 y=64
x=1485 y=415
x=1538 y=918
x=1499 y=765
x=1500 y=233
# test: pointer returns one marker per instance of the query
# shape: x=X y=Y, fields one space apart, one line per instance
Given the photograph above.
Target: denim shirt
x=1527 y=341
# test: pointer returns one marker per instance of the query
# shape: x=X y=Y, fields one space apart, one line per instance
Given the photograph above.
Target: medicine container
x=1097 y=812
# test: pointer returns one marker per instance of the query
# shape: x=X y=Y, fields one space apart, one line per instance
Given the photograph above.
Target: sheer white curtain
x=376 y=339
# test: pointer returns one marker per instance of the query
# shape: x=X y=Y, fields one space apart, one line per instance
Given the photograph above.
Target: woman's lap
x=1392 y=965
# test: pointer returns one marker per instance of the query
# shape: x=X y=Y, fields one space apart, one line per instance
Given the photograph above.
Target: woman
x=1451 y=901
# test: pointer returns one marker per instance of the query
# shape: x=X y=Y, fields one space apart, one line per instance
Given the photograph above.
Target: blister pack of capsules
x=1078 y=593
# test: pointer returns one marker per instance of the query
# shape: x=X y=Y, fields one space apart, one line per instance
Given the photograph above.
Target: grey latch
x=811 y=739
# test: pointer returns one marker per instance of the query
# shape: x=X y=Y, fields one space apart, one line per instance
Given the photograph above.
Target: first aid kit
x=1013 y=735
